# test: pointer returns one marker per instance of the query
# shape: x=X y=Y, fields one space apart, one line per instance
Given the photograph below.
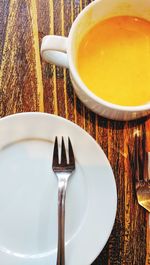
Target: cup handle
x=54 y=50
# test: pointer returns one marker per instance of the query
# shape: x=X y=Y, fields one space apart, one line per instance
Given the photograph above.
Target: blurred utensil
x=63 y=171
x=142 y=179
x=143 y=193
x=142 y=173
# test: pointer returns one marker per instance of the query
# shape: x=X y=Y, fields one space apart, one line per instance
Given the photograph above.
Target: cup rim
x=75 y=74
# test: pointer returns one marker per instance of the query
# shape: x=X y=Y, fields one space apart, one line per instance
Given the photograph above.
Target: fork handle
x=62 y=185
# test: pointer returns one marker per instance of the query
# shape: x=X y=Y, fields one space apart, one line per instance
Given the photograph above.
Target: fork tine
x=63 y=153
x=71 y=154
x=55 y=153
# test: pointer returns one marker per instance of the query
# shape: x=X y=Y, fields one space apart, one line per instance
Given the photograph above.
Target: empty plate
x=28 y=193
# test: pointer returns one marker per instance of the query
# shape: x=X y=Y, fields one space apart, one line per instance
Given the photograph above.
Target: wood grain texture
x=27 y=83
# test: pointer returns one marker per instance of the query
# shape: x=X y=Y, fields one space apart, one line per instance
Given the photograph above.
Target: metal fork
x=142 y=177
x=63 y=171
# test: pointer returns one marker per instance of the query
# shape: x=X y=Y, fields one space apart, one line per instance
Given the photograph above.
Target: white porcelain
x=28 y=193
x=62 y=51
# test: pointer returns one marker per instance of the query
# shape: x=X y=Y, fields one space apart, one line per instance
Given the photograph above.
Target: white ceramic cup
x=62 y=51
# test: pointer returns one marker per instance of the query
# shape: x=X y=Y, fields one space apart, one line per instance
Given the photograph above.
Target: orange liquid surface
x=113 y=60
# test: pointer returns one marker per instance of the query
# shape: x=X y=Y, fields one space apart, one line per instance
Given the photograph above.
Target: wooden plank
x=18 y=79
x=4 y=11
x=45 y=17
x=33 y=14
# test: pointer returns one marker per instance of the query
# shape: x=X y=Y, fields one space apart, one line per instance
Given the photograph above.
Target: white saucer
x=28 y=193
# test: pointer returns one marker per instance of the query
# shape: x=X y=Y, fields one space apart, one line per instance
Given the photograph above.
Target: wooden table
x=29 y=84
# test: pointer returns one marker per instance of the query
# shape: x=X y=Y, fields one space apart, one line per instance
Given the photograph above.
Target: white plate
x=28 y=193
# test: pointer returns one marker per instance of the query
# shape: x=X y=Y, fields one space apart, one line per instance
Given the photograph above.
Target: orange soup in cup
x=113 y=60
